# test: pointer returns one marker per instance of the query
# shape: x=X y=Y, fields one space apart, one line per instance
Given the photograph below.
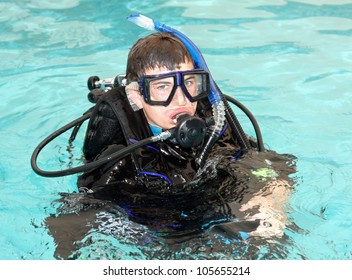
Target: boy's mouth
x=176 y=118
x=177 y=114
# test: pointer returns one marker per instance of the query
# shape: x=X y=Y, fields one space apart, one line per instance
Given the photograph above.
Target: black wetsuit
x=114 y=125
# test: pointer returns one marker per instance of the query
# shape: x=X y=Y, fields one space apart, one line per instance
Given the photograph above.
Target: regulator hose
x=90 y=165
x=236 y=128
x=254 y=122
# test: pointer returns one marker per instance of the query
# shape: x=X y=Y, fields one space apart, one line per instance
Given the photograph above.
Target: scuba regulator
x=98 y=87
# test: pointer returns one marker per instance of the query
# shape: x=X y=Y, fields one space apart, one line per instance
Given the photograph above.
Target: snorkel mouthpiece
x=142 y=21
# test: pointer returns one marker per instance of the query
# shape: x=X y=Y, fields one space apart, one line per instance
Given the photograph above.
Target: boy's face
x=164 y=116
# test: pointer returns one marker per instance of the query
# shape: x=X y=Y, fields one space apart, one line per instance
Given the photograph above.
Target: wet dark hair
x=156 y=50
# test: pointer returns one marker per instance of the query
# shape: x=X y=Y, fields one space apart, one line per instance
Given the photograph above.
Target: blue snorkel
x=215 y=95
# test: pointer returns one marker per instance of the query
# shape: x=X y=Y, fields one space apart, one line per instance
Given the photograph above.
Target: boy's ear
x=134 y=96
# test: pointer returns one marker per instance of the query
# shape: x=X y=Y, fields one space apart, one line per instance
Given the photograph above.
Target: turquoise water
x=289 y=62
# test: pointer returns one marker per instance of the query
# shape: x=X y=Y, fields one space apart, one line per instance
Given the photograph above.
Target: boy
x=163 y=85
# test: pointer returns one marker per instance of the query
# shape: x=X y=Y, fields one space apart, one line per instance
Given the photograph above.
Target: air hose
x=184 y=128
x=254 y=122
x=91 y=165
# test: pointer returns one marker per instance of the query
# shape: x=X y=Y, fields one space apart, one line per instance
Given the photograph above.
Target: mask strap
x=132 y=92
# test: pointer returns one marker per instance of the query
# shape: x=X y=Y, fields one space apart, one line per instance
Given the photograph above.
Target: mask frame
x=178 y=81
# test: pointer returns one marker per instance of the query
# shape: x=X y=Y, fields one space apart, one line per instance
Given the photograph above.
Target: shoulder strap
x=113 y=122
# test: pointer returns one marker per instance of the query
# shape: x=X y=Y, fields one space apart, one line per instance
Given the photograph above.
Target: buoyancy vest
x=114 y=125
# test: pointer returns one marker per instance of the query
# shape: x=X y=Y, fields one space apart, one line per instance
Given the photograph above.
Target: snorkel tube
x=220 y=108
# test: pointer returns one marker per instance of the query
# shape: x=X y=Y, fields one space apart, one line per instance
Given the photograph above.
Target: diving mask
x=160 y=89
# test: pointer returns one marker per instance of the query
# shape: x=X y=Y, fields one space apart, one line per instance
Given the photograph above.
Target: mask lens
x=196 y=84
x=161 y=88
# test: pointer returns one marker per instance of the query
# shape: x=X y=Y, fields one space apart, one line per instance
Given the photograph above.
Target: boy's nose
x=180 y=97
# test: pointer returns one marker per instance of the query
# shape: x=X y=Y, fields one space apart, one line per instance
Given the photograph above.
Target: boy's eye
x=189 y=81
x=161 y=87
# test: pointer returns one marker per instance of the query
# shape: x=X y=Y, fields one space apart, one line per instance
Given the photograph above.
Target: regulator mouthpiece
x=190 y=131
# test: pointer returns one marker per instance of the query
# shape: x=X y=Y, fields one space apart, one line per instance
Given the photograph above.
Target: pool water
x=289 y=62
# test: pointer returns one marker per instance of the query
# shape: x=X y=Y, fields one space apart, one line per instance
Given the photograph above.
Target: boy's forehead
x=162 y=70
